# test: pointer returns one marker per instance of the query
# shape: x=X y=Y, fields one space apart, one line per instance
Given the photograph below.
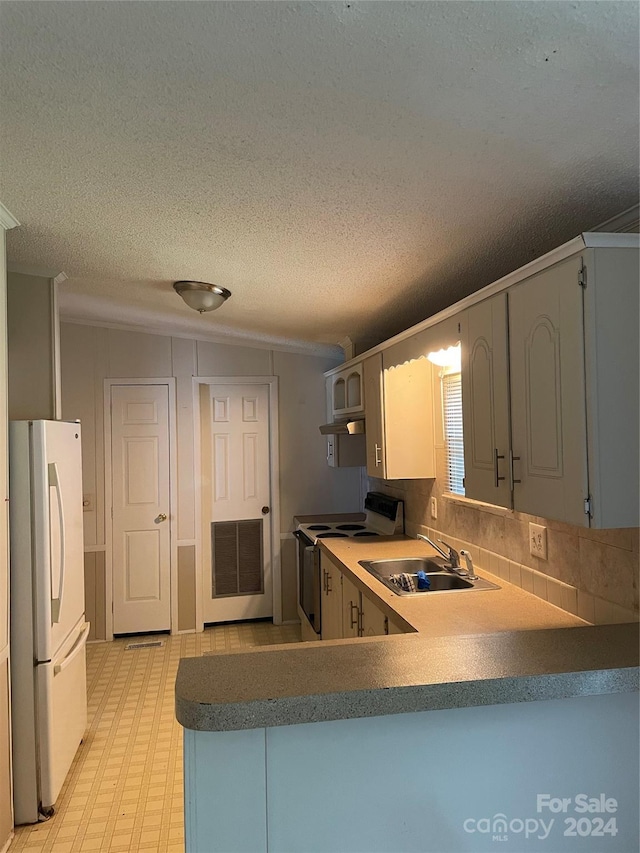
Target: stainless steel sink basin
x=410 y=565
x=440 y=579
x=445 y=582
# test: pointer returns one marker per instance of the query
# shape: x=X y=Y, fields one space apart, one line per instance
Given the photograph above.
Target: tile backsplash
x=591 y=573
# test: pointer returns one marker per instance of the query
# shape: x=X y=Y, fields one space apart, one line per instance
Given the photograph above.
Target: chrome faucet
x=453 y=557
x=471 y=574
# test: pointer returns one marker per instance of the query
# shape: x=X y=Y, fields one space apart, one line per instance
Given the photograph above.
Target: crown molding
x=316 y=350
x=7 y=219
x=57 y=276
x=584 y=241
x=624 y=221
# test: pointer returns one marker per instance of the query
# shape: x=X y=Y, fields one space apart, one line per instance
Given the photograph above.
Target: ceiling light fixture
x=202 y=296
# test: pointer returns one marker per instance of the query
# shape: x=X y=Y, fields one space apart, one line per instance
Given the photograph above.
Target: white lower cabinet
x=373 y=622
x=350 y=608
x=346 y=611
x=331 y=600
x=395 y=628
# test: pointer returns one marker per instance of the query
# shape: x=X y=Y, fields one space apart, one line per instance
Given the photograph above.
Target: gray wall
x=91 y=354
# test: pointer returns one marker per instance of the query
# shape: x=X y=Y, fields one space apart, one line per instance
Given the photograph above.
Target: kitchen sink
x=440 y=579
x=410 y=565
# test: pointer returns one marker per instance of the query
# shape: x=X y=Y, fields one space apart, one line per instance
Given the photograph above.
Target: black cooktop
x=332 y=535
x=350 y=527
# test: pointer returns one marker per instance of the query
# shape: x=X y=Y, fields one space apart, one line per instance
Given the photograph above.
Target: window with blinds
x=454 y=445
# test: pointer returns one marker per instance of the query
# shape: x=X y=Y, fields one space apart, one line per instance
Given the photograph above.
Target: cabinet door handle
x=513 y=459
x=329 y=588
x=497 y=479
x=378 y=455
x=354 y=622
x=324 y=581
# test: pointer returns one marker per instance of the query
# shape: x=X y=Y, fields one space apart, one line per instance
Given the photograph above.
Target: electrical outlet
x=434 y=508
x=538 y=541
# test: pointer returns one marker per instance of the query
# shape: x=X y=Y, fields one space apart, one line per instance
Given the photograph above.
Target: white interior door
x=141 y=547
x=236 y=503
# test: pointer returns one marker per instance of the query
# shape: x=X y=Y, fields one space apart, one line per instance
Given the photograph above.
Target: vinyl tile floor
x=124 y=790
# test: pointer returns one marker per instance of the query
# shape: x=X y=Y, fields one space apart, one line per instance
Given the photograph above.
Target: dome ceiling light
x=202 y=296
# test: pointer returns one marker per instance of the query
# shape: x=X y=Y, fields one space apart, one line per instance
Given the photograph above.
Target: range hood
x=354 y=427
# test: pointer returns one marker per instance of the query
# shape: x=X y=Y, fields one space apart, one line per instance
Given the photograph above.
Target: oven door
x=308 y=579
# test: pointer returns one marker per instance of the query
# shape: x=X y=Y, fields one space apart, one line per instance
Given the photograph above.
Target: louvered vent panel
x=236 y=558
x=250 y=556
x=224 y=558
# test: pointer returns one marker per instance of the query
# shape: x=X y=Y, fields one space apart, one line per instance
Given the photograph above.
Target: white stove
x=335 y=530
x=384 y=516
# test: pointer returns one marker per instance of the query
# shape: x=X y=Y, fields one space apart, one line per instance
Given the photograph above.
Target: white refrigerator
x=48 y=628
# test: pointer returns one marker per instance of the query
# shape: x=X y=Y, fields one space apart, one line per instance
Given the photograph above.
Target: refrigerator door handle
x=54 y=480
x=75 y=651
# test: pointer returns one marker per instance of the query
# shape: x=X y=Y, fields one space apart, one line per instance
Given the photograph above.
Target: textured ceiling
x=344 y=168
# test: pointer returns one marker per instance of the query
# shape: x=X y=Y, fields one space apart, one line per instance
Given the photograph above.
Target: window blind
x=452 y=405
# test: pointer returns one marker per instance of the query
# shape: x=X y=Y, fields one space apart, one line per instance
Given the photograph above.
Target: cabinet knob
x=162 y=517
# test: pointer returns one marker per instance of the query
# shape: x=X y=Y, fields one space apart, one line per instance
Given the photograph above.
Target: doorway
x=238 y=508
x=139 y=485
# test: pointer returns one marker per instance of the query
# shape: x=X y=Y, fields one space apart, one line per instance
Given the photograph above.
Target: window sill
x=470 y=503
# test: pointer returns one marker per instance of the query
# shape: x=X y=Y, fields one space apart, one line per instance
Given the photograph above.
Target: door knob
x=265 y=510
x=162 y=517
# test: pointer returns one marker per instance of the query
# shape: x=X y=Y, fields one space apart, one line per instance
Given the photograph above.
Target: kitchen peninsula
x=407 y=742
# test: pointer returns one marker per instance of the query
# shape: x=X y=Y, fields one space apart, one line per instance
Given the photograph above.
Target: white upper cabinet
x=548 y=394
x=552 y=364
x=550 y=388
x=612 y=370
x=574 y=363
x=372 y=374
x=399 y=416
x=346 y=394
x=485 y=401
